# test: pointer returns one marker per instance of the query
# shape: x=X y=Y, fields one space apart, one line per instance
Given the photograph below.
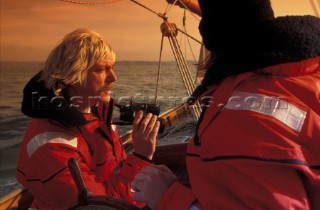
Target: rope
x=147 y=8
x=159 y=69
x=187 y=37
x=315 y=8
x=184 y=72
x=169 y=6
x=97 y=2
x=92 y=3
x=186 y=8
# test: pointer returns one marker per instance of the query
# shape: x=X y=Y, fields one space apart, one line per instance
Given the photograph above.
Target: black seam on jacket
x=21 y=172
x=89 y=146
x=48 y=179
x=100 y=164
x=289 y=161
x=33 y=180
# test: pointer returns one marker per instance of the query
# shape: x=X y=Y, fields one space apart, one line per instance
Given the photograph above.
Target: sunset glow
x=31 y=28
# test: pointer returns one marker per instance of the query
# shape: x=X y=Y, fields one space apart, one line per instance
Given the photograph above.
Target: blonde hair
x=69 y=62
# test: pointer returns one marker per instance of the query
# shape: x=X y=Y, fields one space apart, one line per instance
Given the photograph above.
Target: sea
x=137 y=82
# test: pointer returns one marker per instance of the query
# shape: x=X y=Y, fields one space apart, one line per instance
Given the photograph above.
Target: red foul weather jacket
x=258 y=144
x=46 y=148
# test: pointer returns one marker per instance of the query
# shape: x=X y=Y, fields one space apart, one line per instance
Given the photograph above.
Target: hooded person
x=70 y=107
x=256 y=144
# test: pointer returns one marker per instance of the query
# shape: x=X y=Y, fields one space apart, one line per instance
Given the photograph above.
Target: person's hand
x=144 y=133
x=151 y=183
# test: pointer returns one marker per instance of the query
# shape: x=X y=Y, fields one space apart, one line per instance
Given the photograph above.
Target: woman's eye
x=100 y=69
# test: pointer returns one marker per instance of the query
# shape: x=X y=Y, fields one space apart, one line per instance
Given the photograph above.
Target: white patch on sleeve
x=193 y=207
x=50 y=137
x=282 y=110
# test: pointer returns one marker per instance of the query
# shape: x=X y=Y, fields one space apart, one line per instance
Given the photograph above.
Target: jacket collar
x=93 y=122
x=304 y=67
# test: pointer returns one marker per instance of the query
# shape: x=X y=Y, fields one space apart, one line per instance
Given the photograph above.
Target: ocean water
x=136 y=81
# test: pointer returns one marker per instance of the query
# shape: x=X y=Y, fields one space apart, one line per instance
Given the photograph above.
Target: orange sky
x=31 y=28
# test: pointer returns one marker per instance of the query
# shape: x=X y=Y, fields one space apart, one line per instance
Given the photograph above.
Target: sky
x=30 y=29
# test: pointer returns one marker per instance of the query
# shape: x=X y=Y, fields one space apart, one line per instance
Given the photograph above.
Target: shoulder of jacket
x=51 y=137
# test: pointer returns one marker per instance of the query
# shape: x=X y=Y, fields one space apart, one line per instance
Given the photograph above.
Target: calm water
x=136 y=80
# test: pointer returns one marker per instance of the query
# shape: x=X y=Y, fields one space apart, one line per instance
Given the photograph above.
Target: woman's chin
x=105 y=97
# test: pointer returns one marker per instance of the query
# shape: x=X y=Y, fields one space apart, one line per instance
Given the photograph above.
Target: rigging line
x=169 y=6
x=186 y=8
x=189 y=36
x=180 y=54
x=179 y=67
x=185 y=78
x=196 y=109
x=186 y=74
x=159 y=68
x=184 y=29
x=182 y=42
x=188 y=40
x=147 y=8
x=194 y=57
x=314 y=7
x=91 y=3
x=184 y=68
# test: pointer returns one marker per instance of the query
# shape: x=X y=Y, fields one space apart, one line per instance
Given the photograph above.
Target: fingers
x=147 y=126
x=154 y=132
x=147 y=123
x=144 y=134
x=152 y=125
x=149 y=185
x=137 y=119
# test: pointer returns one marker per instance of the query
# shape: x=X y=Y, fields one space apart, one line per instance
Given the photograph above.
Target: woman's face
x=99 y=80
x=98 y=85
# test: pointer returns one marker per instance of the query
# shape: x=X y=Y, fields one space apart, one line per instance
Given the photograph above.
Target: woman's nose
x=112 y=76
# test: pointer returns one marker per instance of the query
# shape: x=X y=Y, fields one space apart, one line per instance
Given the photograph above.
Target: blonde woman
x=70 y=106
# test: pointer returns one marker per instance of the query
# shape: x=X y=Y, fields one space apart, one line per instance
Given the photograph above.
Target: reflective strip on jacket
x=259 y=144
x=46 y=148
